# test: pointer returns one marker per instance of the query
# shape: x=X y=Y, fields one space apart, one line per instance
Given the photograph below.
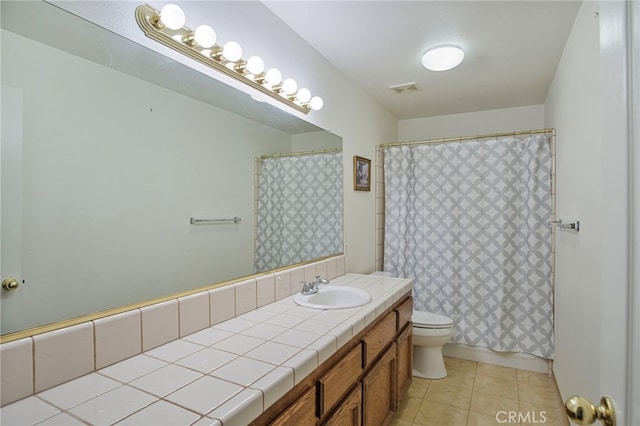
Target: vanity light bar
x=167 y=27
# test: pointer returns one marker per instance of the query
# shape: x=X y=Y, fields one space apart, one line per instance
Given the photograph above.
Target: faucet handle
x=307 y=288
x=320 y=280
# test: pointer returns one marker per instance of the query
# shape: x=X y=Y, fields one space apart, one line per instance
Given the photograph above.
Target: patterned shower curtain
x=469 y=222
x=299 y=209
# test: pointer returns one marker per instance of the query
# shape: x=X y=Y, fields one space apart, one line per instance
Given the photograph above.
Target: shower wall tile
x=16 y=370
x=266 y=290
x=194 y=313
x=159 y=324
x=63 y=355
x=223 y=304
x=246 y=296
x=118 y=337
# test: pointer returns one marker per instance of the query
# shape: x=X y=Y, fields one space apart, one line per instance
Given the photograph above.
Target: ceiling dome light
x=255 y=65
x=303 y=95
x=232 y=51
x=171 y=16
x=205 y=36
x=316 y=103
x=442 y=58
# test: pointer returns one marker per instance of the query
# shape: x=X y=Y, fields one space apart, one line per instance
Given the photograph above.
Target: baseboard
x=505 y=359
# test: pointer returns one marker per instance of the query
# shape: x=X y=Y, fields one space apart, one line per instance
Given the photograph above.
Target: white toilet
x=430 y=333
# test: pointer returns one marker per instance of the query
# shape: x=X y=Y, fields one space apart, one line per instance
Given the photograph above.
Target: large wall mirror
x=108 y=150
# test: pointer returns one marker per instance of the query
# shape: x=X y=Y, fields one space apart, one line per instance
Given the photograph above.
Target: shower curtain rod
x=469 y=138
x=295 y=154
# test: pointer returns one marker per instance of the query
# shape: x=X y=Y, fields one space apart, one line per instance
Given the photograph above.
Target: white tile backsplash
x=297 y=275
x=63 y=355
x=159 y=324
x=283 y=284
x=194 y=313
x=118 y=337
x=16 y=370
x=266 y=290
x=246 y=296
x=223 y=304
x=310 y=272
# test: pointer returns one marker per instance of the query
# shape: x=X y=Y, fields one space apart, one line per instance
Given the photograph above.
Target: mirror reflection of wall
x=113 y=167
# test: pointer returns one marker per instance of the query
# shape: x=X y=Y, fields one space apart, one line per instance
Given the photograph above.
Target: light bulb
x=289 y=86
x=303 y=95
x=232 y=51
x=442 y=58
x=316 y=103
x=255 y=65
x=273 y=76
x=205 y=36
x=172 y=16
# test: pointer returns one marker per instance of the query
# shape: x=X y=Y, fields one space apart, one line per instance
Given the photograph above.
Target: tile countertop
x=225 y=374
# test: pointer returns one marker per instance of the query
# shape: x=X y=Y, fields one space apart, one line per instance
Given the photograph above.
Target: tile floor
x=476 y=394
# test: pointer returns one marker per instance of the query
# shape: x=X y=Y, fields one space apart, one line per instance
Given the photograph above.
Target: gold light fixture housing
x=200 y=46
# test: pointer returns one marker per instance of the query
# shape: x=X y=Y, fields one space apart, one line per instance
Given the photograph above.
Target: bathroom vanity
x=361 y=384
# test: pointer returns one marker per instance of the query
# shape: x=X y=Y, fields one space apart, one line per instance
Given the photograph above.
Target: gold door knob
x=10 y=283
x=581 y=411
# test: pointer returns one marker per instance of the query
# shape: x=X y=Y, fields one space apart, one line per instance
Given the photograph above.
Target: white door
x=599 y=352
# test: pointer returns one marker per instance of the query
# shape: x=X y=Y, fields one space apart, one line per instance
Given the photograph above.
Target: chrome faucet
x=313 y=287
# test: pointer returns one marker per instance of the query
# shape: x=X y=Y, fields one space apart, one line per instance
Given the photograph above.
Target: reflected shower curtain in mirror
x=299 y=209
x=469 y=222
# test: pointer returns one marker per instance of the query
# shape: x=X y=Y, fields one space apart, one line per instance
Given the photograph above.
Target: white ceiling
x=512 y=48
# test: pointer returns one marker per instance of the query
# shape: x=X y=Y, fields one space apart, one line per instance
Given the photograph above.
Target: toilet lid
x=421 y=318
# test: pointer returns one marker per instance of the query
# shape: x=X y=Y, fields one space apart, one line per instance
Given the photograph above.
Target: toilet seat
x=430 y=320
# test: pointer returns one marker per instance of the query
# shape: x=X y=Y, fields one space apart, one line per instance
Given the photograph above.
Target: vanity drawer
x=379 y=337
x=405 y=311
x=301 y=412
x=339 y=379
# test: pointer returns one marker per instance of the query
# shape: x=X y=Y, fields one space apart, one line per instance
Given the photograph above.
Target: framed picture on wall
x=361 y=174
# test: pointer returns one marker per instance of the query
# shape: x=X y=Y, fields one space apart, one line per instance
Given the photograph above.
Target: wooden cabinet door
x=404 y=355
x=301 y=412
x=349 y=413
x=379 y=337
x=379 y=390
x=334 y=384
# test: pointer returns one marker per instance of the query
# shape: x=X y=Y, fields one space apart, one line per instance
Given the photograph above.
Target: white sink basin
x=334 y=297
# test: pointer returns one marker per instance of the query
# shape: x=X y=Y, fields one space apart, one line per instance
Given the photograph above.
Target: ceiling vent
x=406 y=88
